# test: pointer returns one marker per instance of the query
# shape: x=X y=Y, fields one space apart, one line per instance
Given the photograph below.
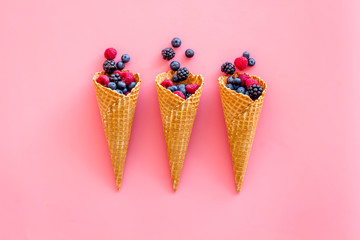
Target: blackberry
x=109 y=66
x=187 y=95
x=228 y=68
x=255 y=91
x=115 y=78
x=168 y=53
x=183 y=74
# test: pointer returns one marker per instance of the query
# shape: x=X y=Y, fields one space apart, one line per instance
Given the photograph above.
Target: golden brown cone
x=117 y=114
x=177 y=117
x=241 y=118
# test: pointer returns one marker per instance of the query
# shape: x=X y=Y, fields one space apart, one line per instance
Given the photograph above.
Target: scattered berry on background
x=229 y=85
x=119 y=91
x=103 y=80
x=176 y=42
x=180 y=94
x=175 y=78
x=255 y=91
x=237 y=81
x=191 y=88
x=241 y=90
x=109 y=66
x=120 y=65
x=230 y=80
x=112 y=85
x=168 y=53
x=115 y=77
x=189 y=53
x=127 y=77
x=251 y=62
x=174 y=65
x=125 y=58
x=166 y=83
x=110 y=53
x=250 y=82
x=183 y=74
x=131 y=86
x=121 y=85
x=246 y=54
x=241 y=63
x=228 y=68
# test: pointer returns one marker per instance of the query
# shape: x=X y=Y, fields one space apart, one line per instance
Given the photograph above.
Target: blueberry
x=181 y=86
x=237 y=81
x=112 y=85
x=174 y=65
x=175 y=78
x=247 y=93
x=176 y=42
x=121 y=85
x=120 y=65
x=119 y=91
x=170 y=88
x=230 y=80
x=241 y=90
x=251 y=62
x=246 y=54
x=124 y=90
x=125 y=58
x=176 y=88
x=189 y=53
x=131 y=85
x=229 y=85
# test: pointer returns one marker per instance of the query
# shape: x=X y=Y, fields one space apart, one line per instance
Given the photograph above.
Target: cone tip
x=175 y=185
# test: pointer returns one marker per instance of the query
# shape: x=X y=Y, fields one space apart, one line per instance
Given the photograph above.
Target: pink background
x=56 y=178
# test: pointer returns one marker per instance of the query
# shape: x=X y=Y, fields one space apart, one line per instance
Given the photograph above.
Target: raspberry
x=110 y=53
x=109 y=66
x=180 y=94
x=250 y=82
x=127 y=77
x=192 y=88
x=103 y=80
x=183 y=73
x=255 y=91
x=241 y=63
x=228 y=68
x=117 y=71
x=166 y=83
x=244 y=77
x=168 y=53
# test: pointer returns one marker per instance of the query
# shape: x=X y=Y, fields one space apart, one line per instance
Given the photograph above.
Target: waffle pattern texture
x=178 y=117
x=241 y=117
x=117 y=114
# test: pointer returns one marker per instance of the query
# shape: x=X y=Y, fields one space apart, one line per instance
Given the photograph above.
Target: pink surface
x=56 y=178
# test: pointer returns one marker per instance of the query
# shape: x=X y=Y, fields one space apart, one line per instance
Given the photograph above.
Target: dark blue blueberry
x=251 y=62
x=229 y=85
x=174 y=65
x=125 y=58
x=124 y=90
x=170 y=88
x=112 y=85
x=247 y=93
x=189 y=53
x=230 y=80
x=120 y=65
x=131 y=85
x=237 y=81
x=175 y=78
x=176 y=42
x=246 y=54
x=241 y=90
x=121 y=85
x=119 y=91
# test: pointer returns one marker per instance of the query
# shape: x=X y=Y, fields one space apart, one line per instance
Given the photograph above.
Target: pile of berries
x=245 y=85
x=120 y=81
x=241 y=63
x=182 y=90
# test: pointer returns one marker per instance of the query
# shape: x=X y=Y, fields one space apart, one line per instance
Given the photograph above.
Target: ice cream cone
x=177 y=117
x=241 y=117
x=117 y=114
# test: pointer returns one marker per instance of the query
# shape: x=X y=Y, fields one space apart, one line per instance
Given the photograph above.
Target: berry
x=127 y=93
x=131 y=86
x=247 y=93
x=110 y=53
x=115 y=77
x=168 y=53
x=174 y=65
x=119 y=91
x=244 y=77
x=241 y=63
x=112 y=85
x=230 y=80
x=117 y=71
x=182 y=88
x=191 y=88
x=127 y=77
x=183 y=74
x=246 y=54
x=176 y=42
x=251 y=62
x=187 y=95
x=124 y=91
x=103 y=80
x=255 y=91
x=229 y=85
x=173 y=88
x=250 y=82
x=109 y=66
x=237 y=81
x=125 y=58
x=189 y=53
x=121 y=85
x=241 y=90
x=228 y=68
x=120 y=65
x=180 y=94
x=175 y=78
x=166 y=83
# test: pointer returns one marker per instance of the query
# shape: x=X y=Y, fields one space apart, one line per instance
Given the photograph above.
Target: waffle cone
x=177 y=117
x=117 y=114
x=241 y=117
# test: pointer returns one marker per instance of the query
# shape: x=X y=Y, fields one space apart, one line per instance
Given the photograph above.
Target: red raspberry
x=117 y=71
x=110 y=53
x=127 y=77
x=244 y=77
x=241 y=63
x=192 y=88
x=103 y=80
x=127 y=93
x=166 y=83
x=250 y=82
x=180 y=94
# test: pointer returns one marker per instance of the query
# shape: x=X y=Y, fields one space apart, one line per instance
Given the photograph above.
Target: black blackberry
x=228 y=68
x=183 y=74
x=187 y=95
x=115 y=78
x=109 y=66
x=255 y=91
x=168 y=53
